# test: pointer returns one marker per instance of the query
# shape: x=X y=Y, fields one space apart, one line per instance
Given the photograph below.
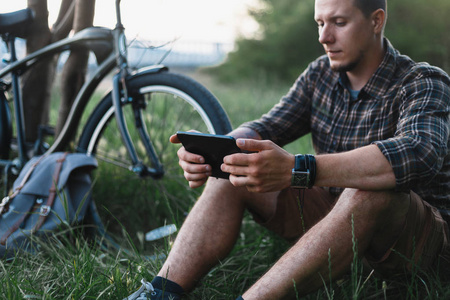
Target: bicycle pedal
x=45 y=130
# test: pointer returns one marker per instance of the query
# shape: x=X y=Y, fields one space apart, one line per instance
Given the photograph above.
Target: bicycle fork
x=119 y=95
x=120 y=92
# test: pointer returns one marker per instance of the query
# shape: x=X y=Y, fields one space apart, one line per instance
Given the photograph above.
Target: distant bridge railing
x=178 y=53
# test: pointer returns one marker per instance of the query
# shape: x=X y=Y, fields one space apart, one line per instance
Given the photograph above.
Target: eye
x=340 y=23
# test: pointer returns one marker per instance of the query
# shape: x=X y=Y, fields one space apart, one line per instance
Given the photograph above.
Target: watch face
x=300 y=179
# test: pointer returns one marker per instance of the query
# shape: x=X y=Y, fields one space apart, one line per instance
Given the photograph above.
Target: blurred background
x=197 y=32
x=277 y=38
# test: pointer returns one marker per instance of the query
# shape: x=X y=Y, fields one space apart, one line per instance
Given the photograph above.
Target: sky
x=192 y=20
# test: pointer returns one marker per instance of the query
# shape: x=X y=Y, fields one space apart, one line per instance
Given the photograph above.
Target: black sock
x=239 y=298
x=167 y=285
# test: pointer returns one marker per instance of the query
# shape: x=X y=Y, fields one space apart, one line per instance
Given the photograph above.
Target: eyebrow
x=333 y=18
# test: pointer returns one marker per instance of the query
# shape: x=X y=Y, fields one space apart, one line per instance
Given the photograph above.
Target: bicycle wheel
x=5 y=128
x=170 y=102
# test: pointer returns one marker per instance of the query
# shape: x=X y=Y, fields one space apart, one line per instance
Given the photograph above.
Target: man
x=380 y=127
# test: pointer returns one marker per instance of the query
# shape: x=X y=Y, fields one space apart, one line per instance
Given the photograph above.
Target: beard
x=350 y=66
x=345 y=68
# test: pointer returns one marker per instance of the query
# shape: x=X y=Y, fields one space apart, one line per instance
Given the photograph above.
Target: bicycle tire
x=173 y=102
x=5 y=127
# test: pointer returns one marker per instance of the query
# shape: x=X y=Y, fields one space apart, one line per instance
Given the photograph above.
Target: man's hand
x=195 y=169
x=267 y=168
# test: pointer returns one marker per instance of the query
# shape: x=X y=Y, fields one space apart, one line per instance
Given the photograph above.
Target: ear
x=378 y=20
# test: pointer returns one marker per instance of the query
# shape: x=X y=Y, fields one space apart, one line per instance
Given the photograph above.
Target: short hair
x=369 y=6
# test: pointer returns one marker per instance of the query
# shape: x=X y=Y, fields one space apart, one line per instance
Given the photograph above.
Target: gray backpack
x=50 y=190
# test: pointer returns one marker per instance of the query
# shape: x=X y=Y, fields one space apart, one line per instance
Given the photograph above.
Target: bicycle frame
x=109 y=47
x=120 y=92
x=99 y=40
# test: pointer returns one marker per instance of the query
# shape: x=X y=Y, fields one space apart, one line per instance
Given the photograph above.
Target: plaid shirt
x=403 y=109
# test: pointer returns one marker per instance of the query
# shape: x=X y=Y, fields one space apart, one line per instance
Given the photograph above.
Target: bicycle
x=148 y=105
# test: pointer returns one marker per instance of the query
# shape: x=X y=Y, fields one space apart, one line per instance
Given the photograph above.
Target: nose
x=325 y=35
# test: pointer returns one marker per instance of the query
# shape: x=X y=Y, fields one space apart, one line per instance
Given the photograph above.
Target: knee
x=375 y=203
x=222 y=190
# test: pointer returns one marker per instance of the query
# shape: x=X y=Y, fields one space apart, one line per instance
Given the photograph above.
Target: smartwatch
x=304 y=172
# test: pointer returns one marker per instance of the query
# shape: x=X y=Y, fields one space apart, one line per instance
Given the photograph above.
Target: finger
x=253 y=145
x=244 y=181
x=242 y=159
x=192 y=177
x=174 y=139
x=196 y=174
x=238 y=181
x=185 y=155
x=236 y=167
x=194 y=168
x=251 y=186
x=196 y=184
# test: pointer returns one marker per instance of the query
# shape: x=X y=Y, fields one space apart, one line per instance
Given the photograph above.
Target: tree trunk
x=36 y=80
x=74 y=71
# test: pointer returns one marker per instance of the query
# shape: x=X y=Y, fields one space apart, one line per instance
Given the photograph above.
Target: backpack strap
x=45 y=209
x=16 y=226
x=6 y=200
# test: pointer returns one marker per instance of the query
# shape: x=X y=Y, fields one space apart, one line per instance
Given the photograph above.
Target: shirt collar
x=380 y=81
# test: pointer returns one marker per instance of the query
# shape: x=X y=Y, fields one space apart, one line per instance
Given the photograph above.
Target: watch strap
x=307 y=164
x=300 y=163
x=311 y=160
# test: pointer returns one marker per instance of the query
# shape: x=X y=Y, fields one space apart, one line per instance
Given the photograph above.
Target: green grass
x=73 y=267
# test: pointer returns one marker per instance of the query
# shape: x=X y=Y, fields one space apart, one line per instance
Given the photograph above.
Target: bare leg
x=210 y=231
x=378 y=219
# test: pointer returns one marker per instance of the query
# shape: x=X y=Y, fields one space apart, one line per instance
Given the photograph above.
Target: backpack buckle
x=45 y=210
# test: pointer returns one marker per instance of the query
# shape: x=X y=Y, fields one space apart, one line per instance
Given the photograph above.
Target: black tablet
x=212 y=147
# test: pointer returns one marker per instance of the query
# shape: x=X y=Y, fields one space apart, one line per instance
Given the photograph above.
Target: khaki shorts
x=423 y=243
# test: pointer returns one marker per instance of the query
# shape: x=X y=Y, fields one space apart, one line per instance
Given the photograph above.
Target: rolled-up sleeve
x=291 y=117
x=287 y=120
x=421 y=143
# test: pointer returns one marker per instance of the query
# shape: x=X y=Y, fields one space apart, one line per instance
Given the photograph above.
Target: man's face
x=345 y=33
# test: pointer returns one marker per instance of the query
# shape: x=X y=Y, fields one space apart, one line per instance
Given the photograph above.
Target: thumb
x=251 y=145
x=174 y=139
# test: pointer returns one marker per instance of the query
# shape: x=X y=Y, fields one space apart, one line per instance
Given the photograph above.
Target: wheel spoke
x=143 y=204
